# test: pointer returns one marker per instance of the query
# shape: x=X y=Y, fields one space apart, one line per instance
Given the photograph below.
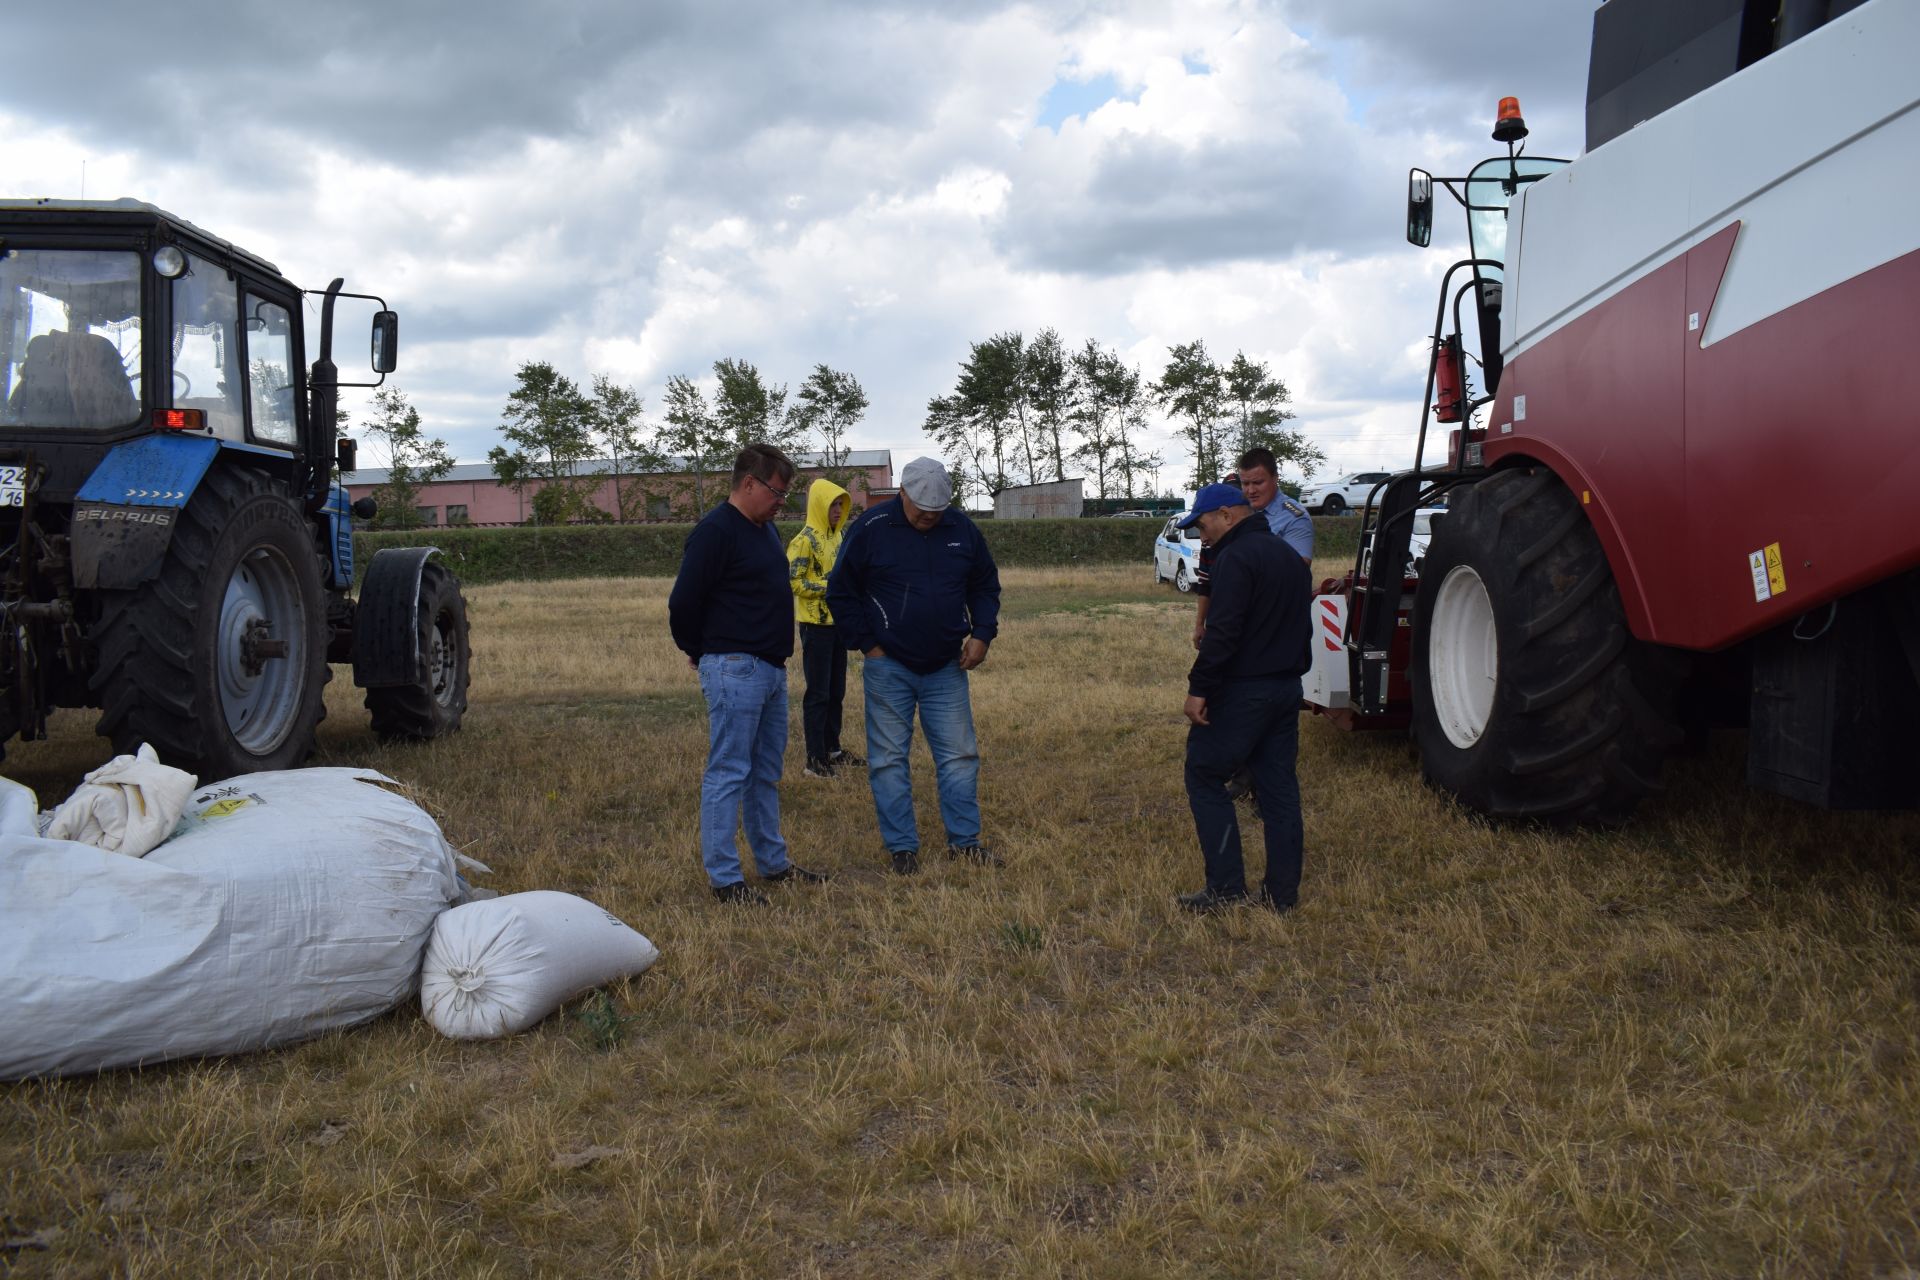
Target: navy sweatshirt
x=732 y=594
x=916 y=595
x=1257 y=623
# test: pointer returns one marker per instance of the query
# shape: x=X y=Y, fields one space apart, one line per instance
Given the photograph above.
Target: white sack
x=286 y=905
x=497 y=967
x=128 y=805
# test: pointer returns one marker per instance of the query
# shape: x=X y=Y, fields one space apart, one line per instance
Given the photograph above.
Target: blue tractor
x=173 y=547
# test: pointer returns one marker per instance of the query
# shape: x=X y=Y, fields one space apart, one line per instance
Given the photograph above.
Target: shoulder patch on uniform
x=1293 y=506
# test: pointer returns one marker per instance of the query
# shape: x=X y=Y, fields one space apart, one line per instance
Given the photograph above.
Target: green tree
x=691 y=435
x=983 y=417
x=747 y=410
x=549 y=424
x=615 y=414
x=828 y=405
x=1048 y=387
x=1109 y=410
x=1192 y=388
x=414 y=459
x=1258 y=408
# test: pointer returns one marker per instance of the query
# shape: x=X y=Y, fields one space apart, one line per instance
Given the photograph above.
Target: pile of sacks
x=148 y=918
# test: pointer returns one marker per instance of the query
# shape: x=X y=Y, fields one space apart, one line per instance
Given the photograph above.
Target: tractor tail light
x=180 y=419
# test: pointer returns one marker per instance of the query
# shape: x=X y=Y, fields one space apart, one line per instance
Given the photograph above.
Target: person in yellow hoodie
x=823 y=660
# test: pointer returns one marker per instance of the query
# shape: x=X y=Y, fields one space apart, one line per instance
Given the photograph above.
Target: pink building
x=469 y=494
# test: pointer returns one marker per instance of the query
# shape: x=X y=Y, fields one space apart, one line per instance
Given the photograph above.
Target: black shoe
x=977 y=854
x=1266 y=899
x=818 y=768
x=906 y=862
x=742 y=894
x=1208 y=901
x=846 y=760
x=793 y=873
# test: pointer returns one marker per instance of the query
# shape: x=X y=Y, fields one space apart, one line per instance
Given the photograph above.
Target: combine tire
x=433 y=706
x=1530 y=697
x=220 y=660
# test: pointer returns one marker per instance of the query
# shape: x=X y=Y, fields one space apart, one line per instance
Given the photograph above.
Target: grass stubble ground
x=1684 y=1048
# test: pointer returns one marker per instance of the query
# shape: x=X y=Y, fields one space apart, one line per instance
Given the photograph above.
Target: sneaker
x=846 y=760
x=906 y=862
x=980 y=855
x=817 y=768
x=793 y=873
x=741 y=894
x=1208 y=901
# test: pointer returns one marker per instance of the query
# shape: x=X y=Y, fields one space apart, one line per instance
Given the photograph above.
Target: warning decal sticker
x=1769 y=572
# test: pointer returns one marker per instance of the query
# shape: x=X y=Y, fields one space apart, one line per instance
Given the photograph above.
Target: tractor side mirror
x=386 y=342
x=1419 y=207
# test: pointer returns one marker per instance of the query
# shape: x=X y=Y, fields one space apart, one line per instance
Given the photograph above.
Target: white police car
x=1176 y=555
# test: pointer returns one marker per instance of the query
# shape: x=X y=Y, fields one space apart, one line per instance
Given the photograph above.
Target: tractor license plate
x=13 y=486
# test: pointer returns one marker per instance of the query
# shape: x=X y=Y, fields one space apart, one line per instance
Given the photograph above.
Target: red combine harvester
x=1686 y=494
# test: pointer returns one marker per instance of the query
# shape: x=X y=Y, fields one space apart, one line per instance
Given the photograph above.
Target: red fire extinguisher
x=1449 y=380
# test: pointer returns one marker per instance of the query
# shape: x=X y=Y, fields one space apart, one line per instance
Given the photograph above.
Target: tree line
x=1023 y=409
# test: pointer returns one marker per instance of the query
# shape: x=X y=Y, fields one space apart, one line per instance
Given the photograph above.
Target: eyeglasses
x=778 y=493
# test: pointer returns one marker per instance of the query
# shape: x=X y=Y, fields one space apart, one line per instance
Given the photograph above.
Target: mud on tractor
x=1683 y=494
x=173 y=548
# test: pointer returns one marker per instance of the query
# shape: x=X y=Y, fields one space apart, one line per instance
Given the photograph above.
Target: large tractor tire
x=220 y=660
x=1530 y=697
x=435 y=704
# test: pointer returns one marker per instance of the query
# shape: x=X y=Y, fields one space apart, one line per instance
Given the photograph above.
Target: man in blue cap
x=1243 y=700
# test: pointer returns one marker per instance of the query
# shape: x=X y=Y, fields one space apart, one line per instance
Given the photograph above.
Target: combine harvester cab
x=173 y=547
x=1683 y=495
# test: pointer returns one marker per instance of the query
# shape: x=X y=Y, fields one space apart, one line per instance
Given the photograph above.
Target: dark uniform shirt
x=1257 y=623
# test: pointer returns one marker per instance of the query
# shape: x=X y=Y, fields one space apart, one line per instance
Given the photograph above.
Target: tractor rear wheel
x=435 y=704
x=1530 y=697
x=220 y=660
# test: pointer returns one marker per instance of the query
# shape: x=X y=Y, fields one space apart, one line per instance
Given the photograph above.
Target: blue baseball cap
x=1212 y=498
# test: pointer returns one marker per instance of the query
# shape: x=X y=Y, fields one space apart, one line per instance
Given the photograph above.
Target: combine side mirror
x=386 y=342
x=1419 y=207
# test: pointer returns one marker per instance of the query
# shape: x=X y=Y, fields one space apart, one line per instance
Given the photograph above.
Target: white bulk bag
x=285 y=905
x=497 y=967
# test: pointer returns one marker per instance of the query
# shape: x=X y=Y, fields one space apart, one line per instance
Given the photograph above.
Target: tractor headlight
x=169 y=261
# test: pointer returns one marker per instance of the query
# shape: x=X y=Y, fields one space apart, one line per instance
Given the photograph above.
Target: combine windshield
x=1491 y=187
x=69 y=338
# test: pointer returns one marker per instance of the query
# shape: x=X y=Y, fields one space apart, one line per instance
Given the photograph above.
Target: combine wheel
x=220 y=659
x=434 y=704
x=1530 y=697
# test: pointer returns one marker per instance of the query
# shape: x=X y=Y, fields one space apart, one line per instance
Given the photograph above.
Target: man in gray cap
x=916 y=591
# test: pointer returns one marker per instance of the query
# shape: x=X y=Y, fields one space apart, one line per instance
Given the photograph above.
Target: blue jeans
x=946 y=717
x=1253 y=724
x=747 y=736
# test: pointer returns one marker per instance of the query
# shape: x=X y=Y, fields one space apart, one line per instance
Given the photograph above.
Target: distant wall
x=1056 y=500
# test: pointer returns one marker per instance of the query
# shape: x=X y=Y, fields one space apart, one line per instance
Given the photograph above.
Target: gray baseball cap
x=925 y=481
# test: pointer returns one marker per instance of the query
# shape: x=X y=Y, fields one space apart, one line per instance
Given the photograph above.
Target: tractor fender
x=123 y=516
x=386 y=628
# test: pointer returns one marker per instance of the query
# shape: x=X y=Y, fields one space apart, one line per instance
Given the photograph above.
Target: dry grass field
x=1688 y=1048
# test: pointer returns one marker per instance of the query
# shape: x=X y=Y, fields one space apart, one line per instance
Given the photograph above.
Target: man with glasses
x=731 y=613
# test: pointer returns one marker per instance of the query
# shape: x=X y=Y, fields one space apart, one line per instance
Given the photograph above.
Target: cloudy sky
x=641 y=189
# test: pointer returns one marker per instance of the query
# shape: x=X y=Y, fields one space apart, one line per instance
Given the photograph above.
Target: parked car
x=1176 y=555
x=1335 y=497
x=1417 y=541
x=1133 y=515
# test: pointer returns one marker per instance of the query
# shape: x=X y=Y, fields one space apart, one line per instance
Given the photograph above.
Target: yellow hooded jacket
x=811 y=554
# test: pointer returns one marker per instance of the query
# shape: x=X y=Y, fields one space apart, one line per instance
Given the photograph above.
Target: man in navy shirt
x=1243 y=700
x=731 y=613
x=916 y=591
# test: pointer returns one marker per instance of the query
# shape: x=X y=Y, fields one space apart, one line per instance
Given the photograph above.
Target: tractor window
x=206 y=354
x=270 y=372
x=69 y=338
x=1491 y=187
